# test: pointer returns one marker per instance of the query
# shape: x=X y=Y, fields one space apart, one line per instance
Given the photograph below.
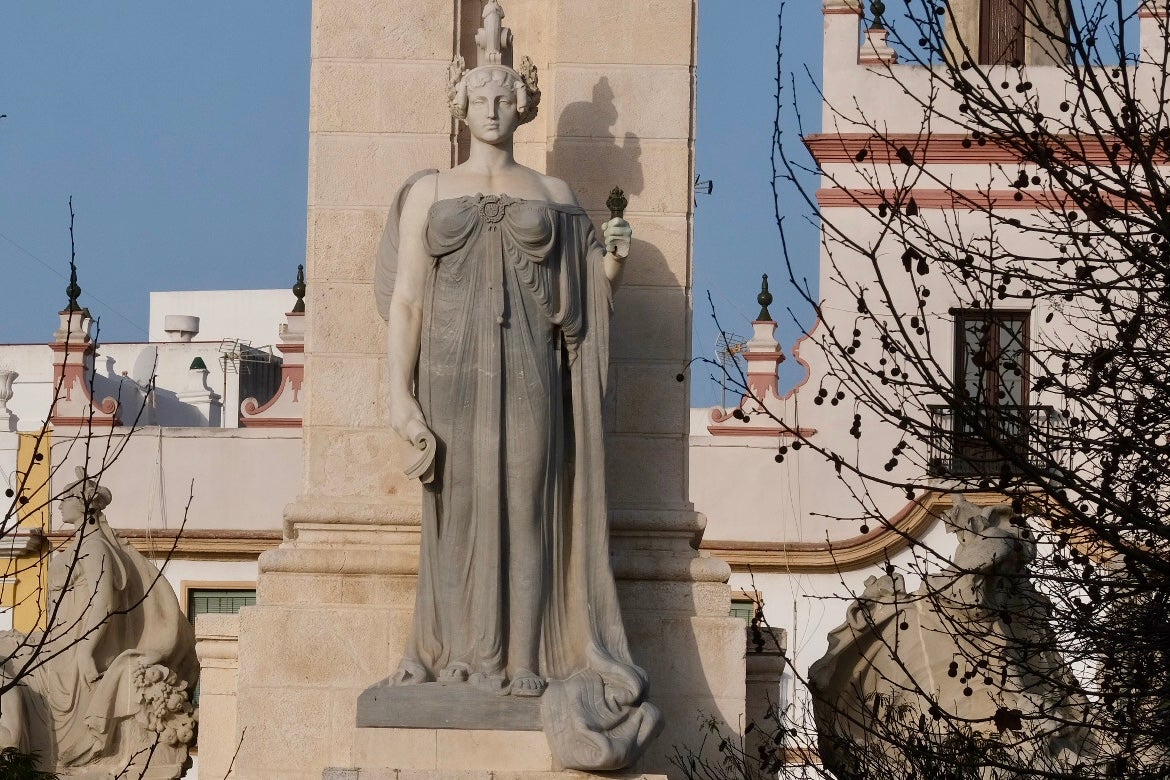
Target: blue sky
x=180 y=130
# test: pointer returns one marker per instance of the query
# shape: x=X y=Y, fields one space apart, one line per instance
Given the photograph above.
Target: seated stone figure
x=104 y=691
x=970 y=651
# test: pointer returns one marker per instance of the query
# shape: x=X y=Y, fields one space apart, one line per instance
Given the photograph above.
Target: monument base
x=346 y=592
x=452 y=750
x=455 y=706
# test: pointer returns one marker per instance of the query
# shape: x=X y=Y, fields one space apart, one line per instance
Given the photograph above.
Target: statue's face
x=492 y=115
x=72 y=510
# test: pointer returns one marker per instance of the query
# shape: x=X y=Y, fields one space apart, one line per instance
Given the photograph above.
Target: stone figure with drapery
x=498 y=296
x=105 y=690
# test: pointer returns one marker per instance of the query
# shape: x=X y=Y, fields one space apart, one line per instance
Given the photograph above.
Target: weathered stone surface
x=432 y=705
x=646 y=326
x=653 y=172
x=374 y=29
x=649 y=399
x=588 y=99
x=378 y=97
x=217 y=640
x=635 y=31
x=452 y=750
x=341 y=242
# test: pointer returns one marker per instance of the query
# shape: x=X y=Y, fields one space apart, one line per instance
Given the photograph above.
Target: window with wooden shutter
x=1001 y=32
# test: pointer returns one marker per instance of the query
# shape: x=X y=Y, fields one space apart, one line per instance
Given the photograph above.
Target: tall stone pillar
x=335 y=599
x=621 y=92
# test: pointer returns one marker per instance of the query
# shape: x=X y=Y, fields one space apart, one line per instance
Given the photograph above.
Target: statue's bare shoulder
x=418 y=201
x=558 y=191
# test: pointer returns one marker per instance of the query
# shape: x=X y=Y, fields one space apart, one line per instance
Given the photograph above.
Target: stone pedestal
x=445 y=750
x=216 y=638
x=335 y=599
x=436 y=706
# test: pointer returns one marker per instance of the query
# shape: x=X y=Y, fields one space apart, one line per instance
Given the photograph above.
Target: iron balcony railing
x=974 y=440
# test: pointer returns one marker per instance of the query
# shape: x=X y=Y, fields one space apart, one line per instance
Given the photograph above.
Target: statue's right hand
x=406 y=418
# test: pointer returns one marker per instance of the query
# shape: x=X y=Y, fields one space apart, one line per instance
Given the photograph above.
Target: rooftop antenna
x=702 y=187
x=728 y=348
x=230 y=351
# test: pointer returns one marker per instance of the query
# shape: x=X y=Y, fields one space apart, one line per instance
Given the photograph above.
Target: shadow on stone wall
x=586 y=153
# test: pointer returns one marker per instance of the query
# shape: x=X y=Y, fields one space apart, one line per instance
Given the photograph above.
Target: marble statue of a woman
x=498 y=295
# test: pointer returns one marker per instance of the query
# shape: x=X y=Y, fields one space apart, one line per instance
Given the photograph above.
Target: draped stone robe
x=511 y=378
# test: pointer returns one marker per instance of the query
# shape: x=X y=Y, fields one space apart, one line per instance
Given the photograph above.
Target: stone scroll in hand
x=423 y=467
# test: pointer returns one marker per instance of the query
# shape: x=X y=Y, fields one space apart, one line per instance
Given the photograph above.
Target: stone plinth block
x=453 y=750
x=433 y=705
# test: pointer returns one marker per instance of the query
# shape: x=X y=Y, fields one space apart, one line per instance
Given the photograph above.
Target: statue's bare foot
x=455 y=673
x=409 y=673
x=492 y=683
x=526 y=683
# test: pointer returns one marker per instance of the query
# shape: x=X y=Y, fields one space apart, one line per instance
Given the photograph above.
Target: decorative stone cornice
x=1154 y=9
x=856 y=552
x=190 y=544
x=842 y=7
x=21 y=542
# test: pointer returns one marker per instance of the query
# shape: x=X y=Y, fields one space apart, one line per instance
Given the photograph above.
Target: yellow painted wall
x=27 y=594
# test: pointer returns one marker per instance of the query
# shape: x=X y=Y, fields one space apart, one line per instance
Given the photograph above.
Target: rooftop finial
x=298 y=290
x=878 y=8
x=74 y=289
x=765 y=300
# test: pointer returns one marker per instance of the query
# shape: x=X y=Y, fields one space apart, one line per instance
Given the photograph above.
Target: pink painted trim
x=252 y=414
x=762 y=384
x=66 y=376
x=891 y=526
x=296 y=377
x=719 y=417
x=940 y=149
x=275 y=422
x=85 y=422
x=956 y=199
